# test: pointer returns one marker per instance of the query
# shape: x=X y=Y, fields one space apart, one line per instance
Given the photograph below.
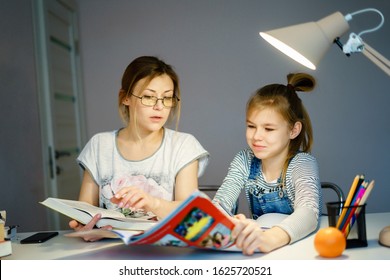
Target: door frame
x=42 y=57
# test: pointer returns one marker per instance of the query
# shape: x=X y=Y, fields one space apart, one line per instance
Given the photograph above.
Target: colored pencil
x=358 y=209
x=355 y=184
x=346 y=223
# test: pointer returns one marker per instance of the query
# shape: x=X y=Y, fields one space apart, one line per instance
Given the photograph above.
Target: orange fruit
x=329 y=242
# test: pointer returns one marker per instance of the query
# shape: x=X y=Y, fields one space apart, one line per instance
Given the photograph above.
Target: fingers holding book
x=75 y=225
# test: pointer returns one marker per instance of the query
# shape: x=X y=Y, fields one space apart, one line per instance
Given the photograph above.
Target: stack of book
x=5 y=245
x=356 y=199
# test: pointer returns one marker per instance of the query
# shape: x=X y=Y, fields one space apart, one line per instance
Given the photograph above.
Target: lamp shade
x=307 y=43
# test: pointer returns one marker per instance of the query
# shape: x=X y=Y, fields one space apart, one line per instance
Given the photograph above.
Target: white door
x=63 y=131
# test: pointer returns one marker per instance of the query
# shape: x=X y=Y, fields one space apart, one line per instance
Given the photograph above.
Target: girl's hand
x=80 y=227
x=251 y=237
x=240 y=216
x=132 y=197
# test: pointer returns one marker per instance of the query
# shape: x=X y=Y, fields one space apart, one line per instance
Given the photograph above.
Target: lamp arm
x=377 y=58
x=356 y=44
x=349 y=16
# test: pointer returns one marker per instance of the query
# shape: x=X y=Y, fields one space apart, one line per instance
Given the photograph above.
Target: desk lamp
x=308 y=42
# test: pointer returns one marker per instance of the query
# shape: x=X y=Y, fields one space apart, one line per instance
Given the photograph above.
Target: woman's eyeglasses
x=168 y=102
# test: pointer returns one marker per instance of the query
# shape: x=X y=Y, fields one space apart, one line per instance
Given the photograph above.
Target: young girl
x=277 y=172
x=143 y=165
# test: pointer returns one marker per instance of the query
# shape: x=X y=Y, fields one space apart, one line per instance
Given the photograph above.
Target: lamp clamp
x=354 y=44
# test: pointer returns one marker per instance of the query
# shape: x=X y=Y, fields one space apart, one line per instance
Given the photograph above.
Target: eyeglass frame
x=157 y=99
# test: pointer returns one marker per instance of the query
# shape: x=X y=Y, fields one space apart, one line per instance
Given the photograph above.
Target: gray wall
x=215 y=48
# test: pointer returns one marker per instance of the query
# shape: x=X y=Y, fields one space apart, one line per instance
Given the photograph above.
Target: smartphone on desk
x=39 y=237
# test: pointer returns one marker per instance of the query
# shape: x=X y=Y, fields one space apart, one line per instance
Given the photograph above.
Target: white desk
x=62 y=247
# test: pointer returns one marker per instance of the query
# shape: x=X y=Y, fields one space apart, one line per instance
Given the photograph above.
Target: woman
x=144 y=166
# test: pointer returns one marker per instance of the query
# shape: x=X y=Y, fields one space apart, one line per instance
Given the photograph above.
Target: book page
x=125 y=235
x=93 y=210
x=267 y=221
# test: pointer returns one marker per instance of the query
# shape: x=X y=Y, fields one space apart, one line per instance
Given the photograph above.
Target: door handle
x=58 y=154
x=58 y=170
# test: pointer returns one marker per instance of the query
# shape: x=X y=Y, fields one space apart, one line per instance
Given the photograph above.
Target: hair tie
x=290 y=86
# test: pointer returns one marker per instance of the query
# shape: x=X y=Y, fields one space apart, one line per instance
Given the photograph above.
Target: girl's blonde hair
x=147 y=67
x=284 y=100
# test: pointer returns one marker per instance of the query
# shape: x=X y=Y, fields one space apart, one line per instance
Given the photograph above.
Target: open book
x=83 y=213
x=196 y=223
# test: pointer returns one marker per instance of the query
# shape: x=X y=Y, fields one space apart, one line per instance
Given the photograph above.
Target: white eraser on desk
x=384 y=237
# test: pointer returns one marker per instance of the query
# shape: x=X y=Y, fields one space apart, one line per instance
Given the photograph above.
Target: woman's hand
x=80 y=227
x=133 y=197
x=251 y=237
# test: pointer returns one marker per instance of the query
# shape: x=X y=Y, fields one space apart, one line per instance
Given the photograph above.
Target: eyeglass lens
x=152 y=101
